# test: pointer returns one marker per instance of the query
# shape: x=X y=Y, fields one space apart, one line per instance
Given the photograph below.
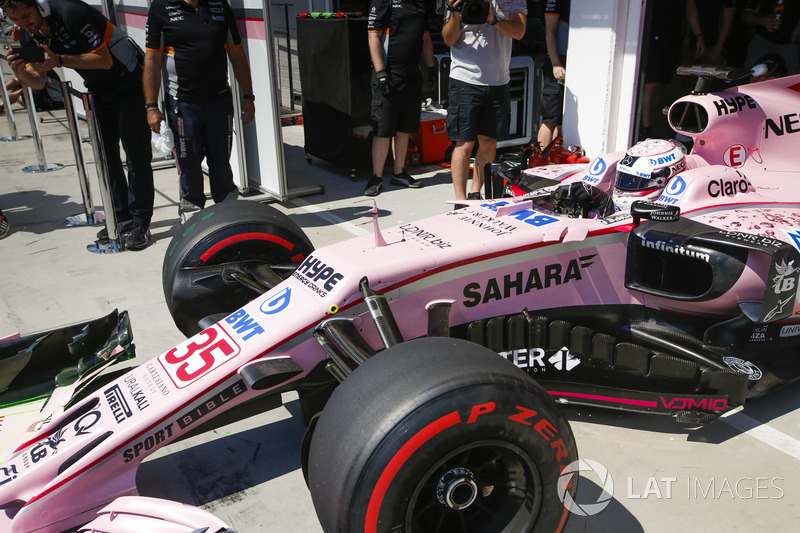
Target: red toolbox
x=432 y=137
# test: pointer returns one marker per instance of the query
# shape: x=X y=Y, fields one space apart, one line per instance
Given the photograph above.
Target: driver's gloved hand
x=581 y=200
x=384 y=83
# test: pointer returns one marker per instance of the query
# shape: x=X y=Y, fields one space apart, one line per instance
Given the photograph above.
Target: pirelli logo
x=116 y=401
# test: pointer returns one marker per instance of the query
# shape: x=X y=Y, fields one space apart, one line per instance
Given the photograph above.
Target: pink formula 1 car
x=430 y=358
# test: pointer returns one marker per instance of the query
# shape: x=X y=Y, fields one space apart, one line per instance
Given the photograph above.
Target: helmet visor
x=631 y=182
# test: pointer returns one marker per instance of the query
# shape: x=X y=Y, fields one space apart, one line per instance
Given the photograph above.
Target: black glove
x=384 y=84
x=581 y=200
x=432 y=72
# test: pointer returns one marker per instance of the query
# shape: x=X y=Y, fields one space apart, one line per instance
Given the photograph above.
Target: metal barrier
x=89 y=216
x=112 y=246
x=33 y=117
x=12 y=125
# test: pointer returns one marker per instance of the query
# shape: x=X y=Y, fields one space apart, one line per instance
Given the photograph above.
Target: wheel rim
x=487 y=486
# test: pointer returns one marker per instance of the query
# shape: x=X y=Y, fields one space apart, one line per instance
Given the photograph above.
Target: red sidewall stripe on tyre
x=208 y=254
x=397 y=462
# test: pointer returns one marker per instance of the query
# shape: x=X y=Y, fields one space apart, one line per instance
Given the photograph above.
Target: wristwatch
x=492 y=23
x=249 y=97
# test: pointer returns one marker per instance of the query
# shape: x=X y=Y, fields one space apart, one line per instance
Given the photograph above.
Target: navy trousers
x=203 y=130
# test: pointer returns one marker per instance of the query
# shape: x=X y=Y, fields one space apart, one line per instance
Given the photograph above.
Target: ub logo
x=784 y=280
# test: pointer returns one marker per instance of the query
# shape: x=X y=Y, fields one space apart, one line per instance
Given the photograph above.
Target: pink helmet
x=645 y=170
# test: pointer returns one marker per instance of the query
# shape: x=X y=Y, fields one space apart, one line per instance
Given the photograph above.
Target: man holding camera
x=479 y=102
x=74 y=34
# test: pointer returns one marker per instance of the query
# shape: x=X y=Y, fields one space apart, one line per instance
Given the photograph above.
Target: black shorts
x=552 y=96
x=398 y=111
x=474 y=110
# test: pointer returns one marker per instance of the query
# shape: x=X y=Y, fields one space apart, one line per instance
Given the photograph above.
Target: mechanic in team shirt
x=197 y=37
x=77 y=36
x=397 y=36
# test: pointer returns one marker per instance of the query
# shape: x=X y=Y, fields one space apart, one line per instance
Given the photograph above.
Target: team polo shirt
x=77 y=28
x=560 y=9
x=401 y=24
x=195 y=44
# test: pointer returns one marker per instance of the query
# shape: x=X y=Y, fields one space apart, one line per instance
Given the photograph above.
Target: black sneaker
x=405 y=180
x=138 y=238
x=474 y=196
x=374 y=186
x=5 y=227
x=123 y=227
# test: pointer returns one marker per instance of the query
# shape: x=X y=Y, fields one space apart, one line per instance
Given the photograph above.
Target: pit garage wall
x=599 y=104
x=605 y=38
x=257 y=155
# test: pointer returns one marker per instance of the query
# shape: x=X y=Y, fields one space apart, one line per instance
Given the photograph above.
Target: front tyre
x=225 y=256
x=439 y=435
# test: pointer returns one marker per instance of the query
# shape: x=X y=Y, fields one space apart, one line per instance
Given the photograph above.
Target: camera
x=30 y=54
x=474 y=11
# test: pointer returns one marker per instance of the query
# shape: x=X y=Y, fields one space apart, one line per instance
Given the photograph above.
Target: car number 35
x=203 y=353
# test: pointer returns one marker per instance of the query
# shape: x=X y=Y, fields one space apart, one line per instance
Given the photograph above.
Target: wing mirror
x=645 y=210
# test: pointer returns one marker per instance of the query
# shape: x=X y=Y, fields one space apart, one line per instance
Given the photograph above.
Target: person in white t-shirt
x=479 y=102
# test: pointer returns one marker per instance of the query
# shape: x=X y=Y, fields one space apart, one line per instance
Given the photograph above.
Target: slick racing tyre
x=226 y=255
x=440 y=435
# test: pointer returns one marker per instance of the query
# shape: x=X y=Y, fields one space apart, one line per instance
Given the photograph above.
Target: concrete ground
x=736 y=474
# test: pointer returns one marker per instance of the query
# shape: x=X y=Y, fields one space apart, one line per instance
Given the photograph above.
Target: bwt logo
x=675 y=186
x=661 y=160
x=599 y=167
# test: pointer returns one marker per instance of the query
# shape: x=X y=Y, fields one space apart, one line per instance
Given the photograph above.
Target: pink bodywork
x=495 y=258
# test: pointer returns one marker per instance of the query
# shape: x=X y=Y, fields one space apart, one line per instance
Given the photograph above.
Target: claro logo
x=733 y=187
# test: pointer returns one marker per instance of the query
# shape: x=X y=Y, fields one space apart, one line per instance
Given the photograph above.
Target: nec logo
x=788 y=123
x=662 y=160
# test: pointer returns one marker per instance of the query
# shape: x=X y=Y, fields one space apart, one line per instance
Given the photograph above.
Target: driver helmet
x=645 y=170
